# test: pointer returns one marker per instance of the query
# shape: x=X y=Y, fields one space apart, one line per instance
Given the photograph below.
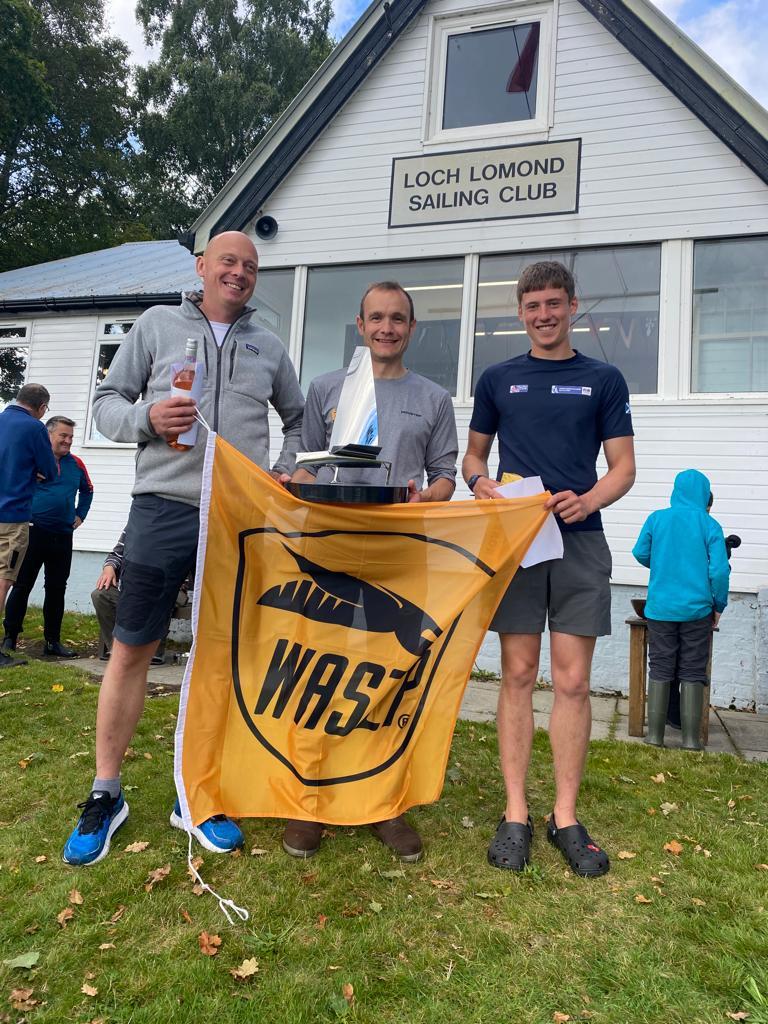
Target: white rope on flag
x=224 y=905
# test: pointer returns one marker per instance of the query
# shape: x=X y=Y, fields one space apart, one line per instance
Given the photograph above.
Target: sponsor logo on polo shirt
x=518 y=389
x=252 y=348
x=568 y=389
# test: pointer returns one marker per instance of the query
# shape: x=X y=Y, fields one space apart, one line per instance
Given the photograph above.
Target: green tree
x=227 y=70
x=65 y=122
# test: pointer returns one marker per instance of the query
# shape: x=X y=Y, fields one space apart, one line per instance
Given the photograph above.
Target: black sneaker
x=6 y=661
x=55 y=649
x=9 y=643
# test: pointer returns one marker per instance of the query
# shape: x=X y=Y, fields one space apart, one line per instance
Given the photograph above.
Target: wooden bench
x=638 y=679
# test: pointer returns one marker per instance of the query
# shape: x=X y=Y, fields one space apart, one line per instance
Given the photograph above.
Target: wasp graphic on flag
x=332 y=645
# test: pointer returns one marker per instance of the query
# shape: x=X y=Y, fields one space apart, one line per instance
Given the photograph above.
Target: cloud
x=671 y=8
x=735 y=34
x=345 y=14
x=121 y=22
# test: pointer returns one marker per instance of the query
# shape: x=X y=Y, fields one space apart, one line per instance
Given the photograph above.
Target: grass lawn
x=676 y=935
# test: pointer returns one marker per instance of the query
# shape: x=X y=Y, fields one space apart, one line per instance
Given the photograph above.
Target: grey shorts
x=160 y=550
x=572 y=592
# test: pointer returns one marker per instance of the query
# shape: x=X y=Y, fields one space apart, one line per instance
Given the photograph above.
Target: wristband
x=472 y=482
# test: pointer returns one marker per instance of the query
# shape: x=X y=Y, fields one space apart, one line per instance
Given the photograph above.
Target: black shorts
x=160 y=550
x=679 y=650
x=572 y=592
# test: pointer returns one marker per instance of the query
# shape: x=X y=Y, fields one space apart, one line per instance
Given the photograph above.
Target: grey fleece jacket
x=250 y=370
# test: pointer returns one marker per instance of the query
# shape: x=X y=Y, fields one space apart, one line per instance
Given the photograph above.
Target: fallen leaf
x=658 y=778
x=147 y=756
x=698 y=848
x=196 y=862
x=761 y=867
x=658 y=881
x=57 y=688
x=107 y=945
x=445 y=884
x=560 y=1018
x=348 y=992
x=320 y=923
x=351 y=911
x=21 y=999
x=626 y=855
x=75 y=897
x=651 y=811
x=209 y=944
x=24 y=960
x=185 y=914
x=488 y=895
x=739 y=1015
x=674 y=848
x=394 y=873
x=309 y=877
x=197 y=890
x=246 y=969
x=639 y=898
x=156 y=876
x=697 y=902
x=65 y=915
x=667 y=809
x=731 y=804
x=256 y=851
x=136 y=847
x=89 y=990
x=375 y=907
x=23 y=763
x=117 y=914
x=333 y=967
x=41 y=859
x=467 y=822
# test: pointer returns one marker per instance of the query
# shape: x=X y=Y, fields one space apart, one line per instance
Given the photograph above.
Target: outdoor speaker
x=266 y=227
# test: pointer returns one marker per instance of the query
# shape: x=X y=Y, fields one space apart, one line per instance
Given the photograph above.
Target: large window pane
x=730 y=315
x=617 y=320
x=333 y=300
x=14 y=357
x=490 y=76
x=273 y=299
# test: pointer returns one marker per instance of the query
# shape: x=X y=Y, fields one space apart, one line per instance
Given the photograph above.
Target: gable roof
x=132 y=274
x=689 y=73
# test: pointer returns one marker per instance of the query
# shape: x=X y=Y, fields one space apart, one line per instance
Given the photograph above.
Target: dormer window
x=490 y=74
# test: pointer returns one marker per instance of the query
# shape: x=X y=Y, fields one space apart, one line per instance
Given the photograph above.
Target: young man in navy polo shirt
x=552 y=409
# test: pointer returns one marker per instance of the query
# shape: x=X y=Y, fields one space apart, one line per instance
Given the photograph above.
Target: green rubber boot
x=691 y=707
x=658 y=700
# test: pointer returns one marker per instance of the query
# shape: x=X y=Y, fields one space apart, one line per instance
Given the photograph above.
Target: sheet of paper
x=548 y=542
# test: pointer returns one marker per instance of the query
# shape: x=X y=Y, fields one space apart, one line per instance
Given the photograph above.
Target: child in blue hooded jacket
x=684 y=548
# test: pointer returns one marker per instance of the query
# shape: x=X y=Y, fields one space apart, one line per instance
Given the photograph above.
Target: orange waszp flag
x=332 y=645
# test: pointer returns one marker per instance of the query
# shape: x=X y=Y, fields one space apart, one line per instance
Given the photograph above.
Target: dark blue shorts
x=160 y=550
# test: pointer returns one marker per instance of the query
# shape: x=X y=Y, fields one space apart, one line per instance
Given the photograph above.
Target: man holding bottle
x=245 y=367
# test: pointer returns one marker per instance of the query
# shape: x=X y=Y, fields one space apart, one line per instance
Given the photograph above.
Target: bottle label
x=189 y=436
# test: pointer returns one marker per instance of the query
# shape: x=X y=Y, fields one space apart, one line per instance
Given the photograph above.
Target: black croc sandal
x=584 y=856
x=510 y=848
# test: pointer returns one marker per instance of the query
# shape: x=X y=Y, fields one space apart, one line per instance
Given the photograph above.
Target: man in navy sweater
x=25 y=455
x=55 y=517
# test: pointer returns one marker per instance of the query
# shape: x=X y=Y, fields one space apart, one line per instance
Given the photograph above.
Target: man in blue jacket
x=25 y=455
x=59 y=507
x=684 y=548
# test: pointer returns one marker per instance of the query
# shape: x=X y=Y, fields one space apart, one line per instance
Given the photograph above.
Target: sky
x=733 y=32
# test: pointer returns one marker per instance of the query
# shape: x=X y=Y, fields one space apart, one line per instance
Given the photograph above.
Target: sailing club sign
x=535 y=180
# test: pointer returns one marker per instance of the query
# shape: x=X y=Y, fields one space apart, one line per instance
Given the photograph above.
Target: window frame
x=104 y=339
x=489 y=17
x=687 y=383
x=26 y=326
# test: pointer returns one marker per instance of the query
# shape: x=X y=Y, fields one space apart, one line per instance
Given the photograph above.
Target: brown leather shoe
x=399 y=836
x=302 y=838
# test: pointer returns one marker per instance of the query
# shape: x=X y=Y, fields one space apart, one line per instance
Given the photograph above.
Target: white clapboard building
x=447 y=143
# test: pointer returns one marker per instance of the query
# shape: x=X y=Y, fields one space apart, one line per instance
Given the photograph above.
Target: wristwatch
x=473 y=481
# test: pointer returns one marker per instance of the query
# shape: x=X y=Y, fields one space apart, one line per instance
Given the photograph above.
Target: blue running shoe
x=102 y=816
x=218 y=834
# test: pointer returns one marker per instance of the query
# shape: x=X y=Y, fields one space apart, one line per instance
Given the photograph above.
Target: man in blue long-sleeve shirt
x=25 y=456
x=59 y=507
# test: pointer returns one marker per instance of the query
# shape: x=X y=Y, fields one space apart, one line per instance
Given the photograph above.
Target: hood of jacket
x=691 y=490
